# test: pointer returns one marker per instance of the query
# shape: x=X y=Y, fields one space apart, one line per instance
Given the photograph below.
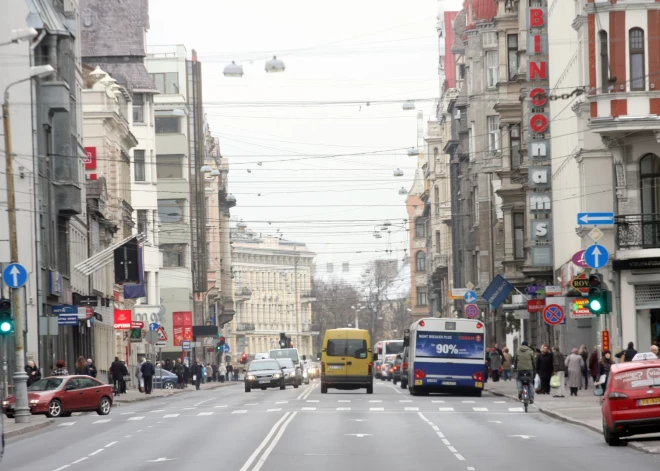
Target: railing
x=637 y=231
x=244 y=327
x=306 y=294
x=440 y=261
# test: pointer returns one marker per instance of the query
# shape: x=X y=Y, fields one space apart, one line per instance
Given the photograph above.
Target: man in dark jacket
x=116 y=370
x=544 y=367
x=627 y=354
x=92 y=368
x=524 y=363
x=559 y=367
x=148 y=372
x=33 y=373
x=197 y=373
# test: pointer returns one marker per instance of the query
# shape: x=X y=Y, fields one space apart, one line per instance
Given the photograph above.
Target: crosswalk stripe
x=205 y=413
x=158 y=410
x=242 y=411
x=411 y=409
x=127 y=413
x=516 y=409
x=170 y=416
x=480 y=409
x=102 y=421
x=275 y=410
x=136 y=418
x=446 y=409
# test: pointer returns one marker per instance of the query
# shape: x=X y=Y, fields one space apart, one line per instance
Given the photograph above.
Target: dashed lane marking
x=66 y=424
x=136 y=418
x=446 y=409
x=377 y=408
x=205 y=413
x=480 y=409
x=241 y=411
x=170 y=416
x=80 y=460
x=308 y=408
x=96 y=452
x=343 y=408
x=516 y=409
x=102 y=421
x=412 y=409
x=274 y=410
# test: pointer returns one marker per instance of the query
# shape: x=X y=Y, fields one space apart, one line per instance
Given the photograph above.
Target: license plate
x=649 y=402
x=449 y=383
x=264 y=381
x=336 y=367
x=478 y=384
x=418 y=382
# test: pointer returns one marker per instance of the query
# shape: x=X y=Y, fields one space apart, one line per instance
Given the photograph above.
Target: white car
x=261 y=356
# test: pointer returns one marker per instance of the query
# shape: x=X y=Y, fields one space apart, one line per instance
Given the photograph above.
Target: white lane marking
x=102 y=421
x=438 y=402
x=309 y=408
x=405 y=400
x=468 y=402
x=189 y=408
x=204 y=413
x=516 y=409
x=494 y=421
x=376 y=400
x=202 y=402
x=343 y=408
x=264 y=457
x=377 y=409
x=435 y=428
x=136 y=418
x=411 y=409
x=80 y=460
x=470 y=468
x=446 y=442
x=452 y=449
x=440 y=434
x=358 y=435
x=274 y=410
x=62 y=467
x=396 y=390
x=480 y=409
x=256 y=452
x=66 y=424
x=423 y=417
x=282 y=402
x=127 y=413
x=252 y=404
x=459 y=456
x=312 y=400
x=499 y=402
x=157 y=410
x=446 y=409
x=110 y=444
x=96 y=452
x=241 y=411
x=170 y=416
x=128 y=436
x=344 y=400
x=218 y=407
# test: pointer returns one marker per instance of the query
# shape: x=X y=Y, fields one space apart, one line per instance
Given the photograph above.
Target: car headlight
x=5 y=403
x=251 y=378
x=277 y=376
x=292 y=374
x=34 y=402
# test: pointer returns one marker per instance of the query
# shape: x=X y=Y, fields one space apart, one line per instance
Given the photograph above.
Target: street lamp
x=233 y=70
x=274 y=65
x=23 y=34
x=22 y=414
x=357 y=309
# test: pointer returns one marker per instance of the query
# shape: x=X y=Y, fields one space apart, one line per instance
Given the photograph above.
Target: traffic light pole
x=22 y=412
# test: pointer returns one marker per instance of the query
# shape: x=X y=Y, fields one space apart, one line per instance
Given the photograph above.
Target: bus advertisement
x=446 y=355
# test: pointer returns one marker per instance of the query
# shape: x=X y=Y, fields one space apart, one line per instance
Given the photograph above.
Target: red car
x=631 y=403
x=59 y=396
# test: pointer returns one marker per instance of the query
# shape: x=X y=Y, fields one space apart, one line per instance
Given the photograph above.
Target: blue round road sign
x=470 y=297
x=472 y=311
x=553 y=314
x=596 y=256
x=225 y=348
x=153 y=326
x=14 y=275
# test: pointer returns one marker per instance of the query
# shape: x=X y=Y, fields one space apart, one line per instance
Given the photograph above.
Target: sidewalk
x=133 y=395
x=583 y=410
x=37 y=422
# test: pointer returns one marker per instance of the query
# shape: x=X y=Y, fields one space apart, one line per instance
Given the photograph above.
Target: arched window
x=636 y=52
x=604 y=62
x=420 y=226
x=420 y=261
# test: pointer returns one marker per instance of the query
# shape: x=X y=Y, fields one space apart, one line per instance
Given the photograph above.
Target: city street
x=300 y=429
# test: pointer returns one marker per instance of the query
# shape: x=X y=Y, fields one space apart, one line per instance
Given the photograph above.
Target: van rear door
x=335 y=351
x=357 y=354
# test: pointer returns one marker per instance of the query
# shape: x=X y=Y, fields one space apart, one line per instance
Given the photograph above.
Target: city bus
x=446 y=355
x=386 y=349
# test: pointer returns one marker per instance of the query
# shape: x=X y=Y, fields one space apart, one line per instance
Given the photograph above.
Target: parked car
x=404 y=368
x=264 y=374
x=60 y=396
x=292 y=375
x=396 y=373
x=631 y=402
x=164 y=379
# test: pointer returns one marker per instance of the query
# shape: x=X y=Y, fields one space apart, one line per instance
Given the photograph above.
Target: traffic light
x=221 y=343
x=284 y=342
x=243 y=359
x=6 y=321
x=600 y=298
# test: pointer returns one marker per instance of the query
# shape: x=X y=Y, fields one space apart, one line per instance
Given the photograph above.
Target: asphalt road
x=301 y=429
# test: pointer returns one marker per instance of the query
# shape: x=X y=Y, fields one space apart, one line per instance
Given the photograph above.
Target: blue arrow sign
x=596 y=256
x=153 y=326
x=470 y=297
x=595 y=218
x=14 y=275
x=225 y=348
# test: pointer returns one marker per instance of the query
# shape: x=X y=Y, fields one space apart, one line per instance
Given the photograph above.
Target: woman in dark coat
x=604 y=368
x=593 y=364
x=545 y=368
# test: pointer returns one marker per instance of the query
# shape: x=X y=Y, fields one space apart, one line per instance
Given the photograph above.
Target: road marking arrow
x=14 y=272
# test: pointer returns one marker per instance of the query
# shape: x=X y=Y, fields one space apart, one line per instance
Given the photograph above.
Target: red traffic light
x=222 y=340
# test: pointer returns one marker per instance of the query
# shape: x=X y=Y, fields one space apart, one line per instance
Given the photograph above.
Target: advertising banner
x=182 y=327
x=457 y=345
x=122 y=319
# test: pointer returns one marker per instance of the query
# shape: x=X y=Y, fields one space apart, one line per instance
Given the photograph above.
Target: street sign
x=137 y=325
x=162 y=337
x=67 y=319
x=578 y=259
x=581 y=283
x=596 y=256
x=457 y=293
x=153 y=326
x=605 y=340
x=225 y=348
x=186 y=345
x=470 y=297
x=553 y=314
x=580 y=309
x=553 y=290
x=535 y=305
x=14 y=275
x=596 y=234
x=471 y=311
x=151 y=337
x=469 y=285
x=595 y=218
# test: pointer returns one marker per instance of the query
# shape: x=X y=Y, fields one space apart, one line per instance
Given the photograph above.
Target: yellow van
x=347 y=360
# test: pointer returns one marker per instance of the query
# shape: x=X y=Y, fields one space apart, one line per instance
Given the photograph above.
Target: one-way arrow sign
x=595 y=218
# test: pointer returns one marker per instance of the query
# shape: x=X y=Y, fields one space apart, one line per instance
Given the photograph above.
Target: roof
x=634 y=365
x=133 y=75
x=114 y=28
x=43 y=15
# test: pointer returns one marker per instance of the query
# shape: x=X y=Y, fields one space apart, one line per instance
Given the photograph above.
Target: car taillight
x=391 y=370
x=323 y=367
x=479 y=376
x=371 y=366
x=396 y=368
x=617 y=395
x=377 y=367
x=419 y=374
x=405 y=365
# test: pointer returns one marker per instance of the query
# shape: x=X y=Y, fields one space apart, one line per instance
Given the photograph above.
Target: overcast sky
x=364 y=51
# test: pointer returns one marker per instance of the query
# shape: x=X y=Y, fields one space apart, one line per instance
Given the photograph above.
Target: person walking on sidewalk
x=214 y=367
x=117 y=372
x=593 y=364
x=92 y=368
x=559 y=368
x=139 y=376
x=507 y=364
x=229 y=371
x=179 y=371
x=628 y=354
x=81 y=366
x=60 y=369
x=197 y=371
x=523 y=363
x=495 y=364
x=604 y=369
x=33 y=373
x=574 y=365
x=544 y=368
x=585 y=372
x=148 y=371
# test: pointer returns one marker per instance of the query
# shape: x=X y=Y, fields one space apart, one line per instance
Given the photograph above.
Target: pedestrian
x=495 y=364
x=125 y=377
x=33 y=373
x=230 y=369
x=544 y=368
x=214 y=367
x=501 y=353
x=116 y=370
x=148 y=371
x=197 y=372
x=186 y=375
x=559 y=369
x=168 y=365
x=81 y=366
x=524 y=363
x=585 y=357
x=507 y=364
x=604 y=369
x=209 y=373
x=593 y=364
x=139 y=376
x=179 y=371
x=628 y=354
x=654 y=350
x=574 y=364
x=60 y=369
x=92 y=368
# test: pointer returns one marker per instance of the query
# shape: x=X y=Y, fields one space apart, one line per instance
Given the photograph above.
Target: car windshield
x=285 y=353
x=637 y=379
x=264 y=365
x=46 y=384
x=285 y=362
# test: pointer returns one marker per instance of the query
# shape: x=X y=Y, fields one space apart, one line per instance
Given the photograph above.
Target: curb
x=173 y=393
x=29 y=428
x=558 y=416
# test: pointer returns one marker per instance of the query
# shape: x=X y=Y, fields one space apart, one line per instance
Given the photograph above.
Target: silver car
x=292 y=375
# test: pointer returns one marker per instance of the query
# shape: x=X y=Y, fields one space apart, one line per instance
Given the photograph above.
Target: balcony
x=440 y=262
x=637 y=231
x=245 y=327
x=444 y=212
x=306 y=297
x=242 y=294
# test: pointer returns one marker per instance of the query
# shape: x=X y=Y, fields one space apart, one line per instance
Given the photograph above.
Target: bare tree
x=332 y=308
x=399 y=315
x=376 y=281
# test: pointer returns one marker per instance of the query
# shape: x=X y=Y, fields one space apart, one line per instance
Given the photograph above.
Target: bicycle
x=525 y=379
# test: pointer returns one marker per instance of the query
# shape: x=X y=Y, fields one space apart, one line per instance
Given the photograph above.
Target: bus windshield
x=455 y=345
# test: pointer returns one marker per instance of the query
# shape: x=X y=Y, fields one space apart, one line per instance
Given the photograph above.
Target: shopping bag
x=194 y=377
x=555 y=381
x=537 y=382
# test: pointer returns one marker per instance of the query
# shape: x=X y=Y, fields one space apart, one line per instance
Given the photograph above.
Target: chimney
x=194 y=55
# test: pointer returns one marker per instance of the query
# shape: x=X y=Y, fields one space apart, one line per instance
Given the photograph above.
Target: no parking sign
x=472 y=311
x=553 y=314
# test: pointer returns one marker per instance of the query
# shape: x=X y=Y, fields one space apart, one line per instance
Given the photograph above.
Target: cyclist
x=524 y=362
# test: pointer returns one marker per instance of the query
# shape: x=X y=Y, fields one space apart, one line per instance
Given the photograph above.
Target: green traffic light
x=5 y=327
x=596 y=305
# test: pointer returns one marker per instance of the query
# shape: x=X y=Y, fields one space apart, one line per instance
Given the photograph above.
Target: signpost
x=553 y=314
x=585 y=219
x=596 y=256
x=470 y=297
x=457 y=293
x=14 y=275
x=471 y=311
x=605 y=337
x=186 y=345
x=535 y=305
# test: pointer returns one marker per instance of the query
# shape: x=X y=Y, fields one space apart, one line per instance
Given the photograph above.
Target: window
x=138 y=108
x=636 y=40
x=438 y=238
x=173 y=255
x=470 y=80
x=471 y=143
x=604 y=62
x=436 y=198
x=167 y=82
x=63 y=249
x=355 y=348
x=169 y=166
x=491 y=68
x=420 y=227
x=518 y=236
x=422 y=296
x=649 y=172
x=171 y=210
x=514 y=140
x=493 y=133
x=420 y=261
x=138 y=165
x=490 y=39
x=142 y=221
x=168 y=125
x=461 y=71
x=475 y=200
x=512 y=48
